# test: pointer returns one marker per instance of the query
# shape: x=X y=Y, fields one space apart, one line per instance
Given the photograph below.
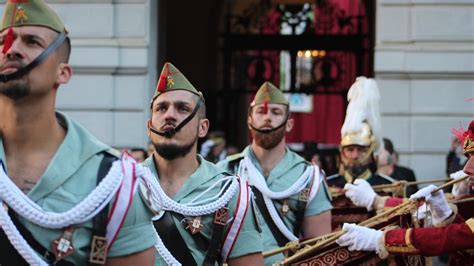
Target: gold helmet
x=361 y=127
x=362 y=123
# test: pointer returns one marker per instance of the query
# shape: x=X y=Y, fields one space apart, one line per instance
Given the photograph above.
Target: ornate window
x=312 y=50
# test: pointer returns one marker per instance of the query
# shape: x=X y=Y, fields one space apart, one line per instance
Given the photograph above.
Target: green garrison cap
x=30 y=13
x=172 y=79
x=269 y=93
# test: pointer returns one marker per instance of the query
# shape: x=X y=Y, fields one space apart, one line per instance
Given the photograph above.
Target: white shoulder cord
x=165 y=254
x=255 y=178
x=17 y=240
x=159 y=201
x=25 y=207
x=80 y=213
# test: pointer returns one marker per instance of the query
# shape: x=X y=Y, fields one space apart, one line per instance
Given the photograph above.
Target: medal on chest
x=221 y=216
x=194 y=225
x=304 y=195
x=285 y=208
x=62 y=247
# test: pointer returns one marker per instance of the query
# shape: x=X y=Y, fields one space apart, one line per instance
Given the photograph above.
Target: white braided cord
x=159 y=197
x=247 y=169
x=82 y=212
x=17 y=240
x=164 y=252
x=160 y=202
x=256 y=179
x=28 y=209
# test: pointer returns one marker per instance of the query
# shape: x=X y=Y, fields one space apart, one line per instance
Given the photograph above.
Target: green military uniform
x=68 y=179
x=285 y=173
x=206 y=175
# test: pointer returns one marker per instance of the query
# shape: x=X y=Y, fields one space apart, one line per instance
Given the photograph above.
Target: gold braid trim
x=470 y=224
x=408 y=248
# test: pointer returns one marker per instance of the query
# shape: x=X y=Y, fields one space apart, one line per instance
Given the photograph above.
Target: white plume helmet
x=364 y=97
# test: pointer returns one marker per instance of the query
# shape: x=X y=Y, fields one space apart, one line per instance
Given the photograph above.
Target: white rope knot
x=249 y=171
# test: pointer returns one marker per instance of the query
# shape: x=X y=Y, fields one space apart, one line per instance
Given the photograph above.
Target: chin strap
x=38 y=60
x=171 y=132
x=268 y=131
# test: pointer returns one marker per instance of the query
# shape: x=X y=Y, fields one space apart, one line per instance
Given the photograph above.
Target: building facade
x=424 y=65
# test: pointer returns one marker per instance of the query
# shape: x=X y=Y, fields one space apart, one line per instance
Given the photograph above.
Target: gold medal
x=285 y=208
x=194 y=225
x=62 y=247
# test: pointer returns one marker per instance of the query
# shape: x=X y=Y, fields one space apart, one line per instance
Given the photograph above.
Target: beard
x=171 y=151
x=270 y=140
x=15 y=89
x=356 y=168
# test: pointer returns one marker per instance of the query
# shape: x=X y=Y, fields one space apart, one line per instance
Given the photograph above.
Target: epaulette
x=113 y=152
x=236 y=156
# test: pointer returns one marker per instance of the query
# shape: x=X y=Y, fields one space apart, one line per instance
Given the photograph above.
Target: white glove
x=462 y=188
x=361 y=193
x=437 y=202
x=359 y=238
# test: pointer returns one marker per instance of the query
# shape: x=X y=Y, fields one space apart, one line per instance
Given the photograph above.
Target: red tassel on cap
x=162 y=84
x=266 y=100
x=9 y=38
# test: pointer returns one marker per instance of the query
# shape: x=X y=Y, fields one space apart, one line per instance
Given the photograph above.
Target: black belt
x=279 y=237
x=175 y=243
x=173 y=240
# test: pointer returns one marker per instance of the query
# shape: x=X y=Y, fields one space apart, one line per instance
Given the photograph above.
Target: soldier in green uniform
x=290 y=193
x=208 y=217
x=49 y=164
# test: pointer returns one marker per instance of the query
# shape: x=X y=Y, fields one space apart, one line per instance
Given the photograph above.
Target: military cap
x=269 y=93
x=172 y=79
x=30 y=13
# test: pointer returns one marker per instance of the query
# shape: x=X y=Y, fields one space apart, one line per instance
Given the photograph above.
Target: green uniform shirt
x=70 y=176
x=285 y=174
x=206 y=175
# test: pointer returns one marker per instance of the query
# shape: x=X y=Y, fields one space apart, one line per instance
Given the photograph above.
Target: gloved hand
x=462 y=188
x=360 y=193
x=439 y=206
x=359 y=238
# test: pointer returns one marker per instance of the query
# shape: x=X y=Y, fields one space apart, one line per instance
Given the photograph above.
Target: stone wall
x=113 y=56
x=424 y=65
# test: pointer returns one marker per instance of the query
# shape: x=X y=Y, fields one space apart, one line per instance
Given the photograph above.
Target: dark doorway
x=227 y=49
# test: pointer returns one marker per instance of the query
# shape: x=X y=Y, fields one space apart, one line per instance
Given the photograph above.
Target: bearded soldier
x=57 y=180
x=290 y=193
x=204 y=214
